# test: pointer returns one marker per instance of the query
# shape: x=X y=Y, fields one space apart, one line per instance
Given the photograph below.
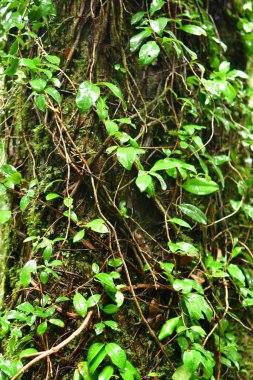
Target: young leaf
x=79 y=236
x=116 y=354
x=87 y=95
x=42 y=328
x=52 y=196
x=40 y=102
x=98 y=225
x=148 y=53
x=80 y=304
x=200 y=186
x=169 y=327
x=56 y=322
x=25 y=274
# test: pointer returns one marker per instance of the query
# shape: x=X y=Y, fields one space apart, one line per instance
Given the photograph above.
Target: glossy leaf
x=236 y=273
x=79 y=236
x=98 y=225
x=54 y=94
x=180 y=222
x=171 y=163
x=114 y=89
x=137 y=17
x=155 y=6
x=106 y=373
x=159 y=25
x=193 y=29
x=136 y=40
x=200 y=186
x=193 y=212
x=116 y=354
x=148 y=53
x=169 y=327
x=111 y=127
x=42 y=328
x=87 y=95
x=80 y=304
x=38 y=84
x=56 y=322
x=143 y=180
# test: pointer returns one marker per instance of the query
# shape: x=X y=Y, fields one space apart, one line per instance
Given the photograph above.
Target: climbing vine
x=128 y=180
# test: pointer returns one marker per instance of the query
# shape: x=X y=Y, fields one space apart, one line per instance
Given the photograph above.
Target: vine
x=143 y=191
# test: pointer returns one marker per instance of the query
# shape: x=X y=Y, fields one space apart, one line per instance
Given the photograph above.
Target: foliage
x=182 y=153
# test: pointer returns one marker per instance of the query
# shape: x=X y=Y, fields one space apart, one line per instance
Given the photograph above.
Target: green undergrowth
x=128 y=131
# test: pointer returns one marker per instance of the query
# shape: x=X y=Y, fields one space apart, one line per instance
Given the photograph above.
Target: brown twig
x=53 y=350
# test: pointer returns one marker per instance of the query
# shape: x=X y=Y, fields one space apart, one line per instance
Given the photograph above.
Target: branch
x=55 y=349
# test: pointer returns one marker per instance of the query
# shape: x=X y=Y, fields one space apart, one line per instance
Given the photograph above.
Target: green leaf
x=136 y=40
x=183 y=247
x=155 y=6
x=137 y=17
x=180 y=222
x=236 y=273
x=93 y=300
x=4 y=216
x=198 y=330
x=56 y=322
x=80 y=304
x=87 y=95
x=54 y=94
x=116 y=354
x=42 y=328
x=182 y=373
x=53 y=59
x=193 y=29
x=98 y=225
x=97 y=360
x=26 y=352
x=38 y=84
x=197 y=305
x=106 y=374
x=247 y=302
x=171 y=163
x=126 y=156
x=25 y=274
x=148 y=53
x=107 y=281
x=193 y=212
x=111 y=127
x=159 y=25
x=25 y=200
x=143 y=180
x=114 y=89
x=79 y=236
x=200 y=186
x=169 y=327
x=94 y=350
x=160 y=179
x=40 y=102
x=191 y=359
